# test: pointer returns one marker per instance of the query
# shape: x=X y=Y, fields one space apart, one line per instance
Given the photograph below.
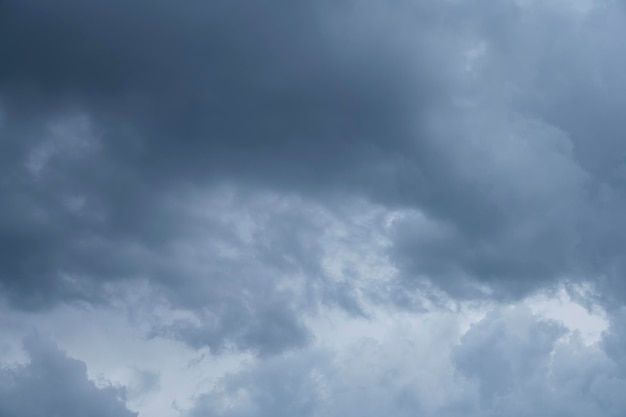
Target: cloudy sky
x=324 y=208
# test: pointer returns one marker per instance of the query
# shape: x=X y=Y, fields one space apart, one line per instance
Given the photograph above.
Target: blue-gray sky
x=317 y=208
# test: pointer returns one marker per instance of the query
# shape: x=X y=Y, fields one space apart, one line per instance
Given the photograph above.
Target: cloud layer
x=511 y=362
x=54 y=384
x=226 y=173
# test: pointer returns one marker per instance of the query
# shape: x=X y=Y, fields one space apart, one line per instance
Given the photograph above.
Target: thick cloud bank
x=496 y=122
x=221 y=176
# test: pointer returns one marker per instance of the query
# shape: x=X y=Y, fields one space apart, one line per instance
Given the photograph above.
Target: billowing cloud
x=111 y=203
x=53 y=384
x=511 y=362
x=423 y=106
x=225 y=175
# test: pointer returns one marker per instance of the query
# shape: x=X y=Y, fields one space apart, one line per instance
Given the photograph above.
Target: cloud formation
x=414 y=105
x=226 y=174
x=511 y=362
x=53 y=384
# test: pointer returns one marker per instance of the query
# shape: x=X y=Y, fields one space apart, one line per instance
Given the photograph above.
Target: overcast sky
x=324 y=208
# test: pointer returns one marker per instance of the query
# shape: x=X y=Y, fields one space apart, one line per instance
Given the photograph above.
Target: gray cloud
x=509 y=363
x=53 y=384
x=261 y=93
x=288 y=388
x=282 y=96
x=522 y=365
x=532 y=160
x=307 y=384
x=144 y=383
x=516 y=200
x=229 y=173
x=506 y=166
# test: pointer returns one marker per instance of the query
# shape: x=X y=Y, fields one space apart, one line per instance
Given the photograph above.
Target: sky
x=312 y=208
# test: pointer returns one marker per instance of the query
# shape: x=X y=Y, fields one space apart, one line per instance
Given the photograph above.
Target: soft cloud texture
x=53 y=384
x=511 y=362
x=227 y=175
x=460 y=112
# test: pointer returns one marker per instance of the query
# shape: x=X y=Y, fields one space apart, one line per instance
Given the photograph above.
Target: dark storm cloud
x=54 y=384
x=284 y=94
x=172 y=95
x=208 y=149
x=213 y=86
x=203 y=88
x=176 y=91
x=460 y=114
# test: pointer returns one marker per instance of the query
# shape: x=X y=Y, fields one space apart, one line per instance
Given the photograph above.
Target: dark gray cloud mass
x=318 y=98
x=175 y=93
x=207 y=149
x=312 y=98
x=52 y=384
